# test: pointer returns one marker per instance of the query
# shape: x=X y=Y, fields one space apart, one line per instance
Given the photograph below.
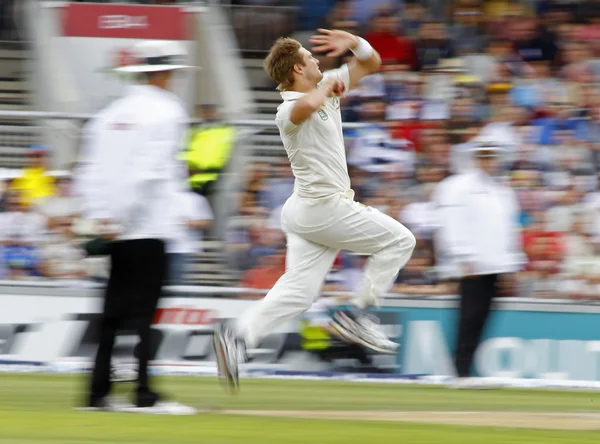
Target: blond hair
x=279 y=64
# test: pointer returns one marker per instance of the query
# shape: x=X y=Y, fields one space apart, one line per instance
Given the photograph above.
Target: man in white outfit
x=479 y=244
x=131 y=183
x=321 y=217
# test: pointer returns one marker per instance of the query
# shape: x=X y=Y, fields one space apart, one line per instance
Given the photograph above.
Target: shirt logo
x=322 y=114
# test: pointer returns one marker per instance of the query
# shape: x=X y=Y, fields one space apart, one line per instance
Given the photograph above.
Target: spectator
x=418 y=276
x=209 y=150
x=394 y=48
x=60 y=257
x=195 y=218
x=35 y=183
x=373 y=149
x=562 y=215
x=62 y=209
x=529 y=43
x=466 y=32
x=263 y=276
x=421 y=216
x=22 y=232
x=278 y=187
x=433 y=45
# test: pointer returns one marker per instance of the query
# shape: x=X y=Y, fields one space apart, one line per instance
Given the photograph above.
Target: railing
x=247 y=123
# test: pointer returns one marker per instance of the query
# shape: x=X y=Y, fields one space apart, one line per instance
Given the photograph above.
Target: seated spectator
x=22 y=232
x=278 y=187
x=237 y=233
x=418 y=276
x=420 y=216
x=35 y=184
x=264 y=275
x=61 y=257
x=195 y=218
x=577 y=241
x=389 y=42
x=63 y=207
x=373 y=149
x=261 y=243
x=537 y=87
x=543 y=268
x=433 y=45
x=558 y=116
x=562 y=214
x=567 y=150
x=581 y=274
x=466 y=31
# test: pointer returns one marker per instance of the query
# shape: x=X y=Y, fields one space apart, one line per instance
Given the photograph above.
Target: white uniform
x=478 y=219
x=129 y=173
x=321 y=218
x=192 y=208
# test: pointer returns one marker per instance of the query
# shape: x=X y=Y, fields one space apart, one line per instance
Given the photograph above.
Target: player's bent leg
x=307 y=265
x=366 y=230
x=383 y=266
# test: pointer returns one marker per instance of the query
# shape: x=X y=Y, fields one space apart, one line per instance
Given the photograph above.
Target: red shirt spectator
x=392 y=47
x=265 y=275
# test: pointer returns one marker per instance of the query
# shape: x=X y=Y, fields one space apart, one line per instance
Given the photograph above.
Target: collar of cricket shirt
x=291 y=95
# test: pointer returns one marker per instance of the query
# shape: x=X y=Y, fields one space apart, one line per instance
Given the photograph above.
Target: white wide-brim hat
x=486 y=147
x=155 y=56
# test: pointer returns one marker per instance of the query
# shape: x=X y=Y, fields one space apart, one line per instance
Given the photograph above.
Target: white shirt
x=478 y=219
x=421 y=218
x=191 y=208
x=27 y=227
x=130 y=173
x=316 y=148
x=373 y=150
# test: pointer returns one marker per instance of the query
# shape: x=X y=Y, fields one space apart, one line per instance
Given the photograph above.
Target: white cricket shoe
x=471 y=383
x=363 y=330
x=160 y=408
x=230 y=353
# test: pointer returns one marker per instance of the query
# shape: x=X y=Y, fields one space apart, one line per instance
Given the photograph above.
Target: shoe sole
x=350 y=336
x=230 y=380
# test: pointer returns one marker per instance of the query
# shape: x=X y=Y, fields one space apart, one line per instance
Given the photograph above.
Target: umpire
x=130 y=180
x=479 y=243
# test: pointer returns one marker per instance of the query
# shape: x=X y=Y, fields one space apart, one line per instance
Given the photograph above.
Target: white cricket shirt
x=316 y=148
x=129 y=172
x=478 y=223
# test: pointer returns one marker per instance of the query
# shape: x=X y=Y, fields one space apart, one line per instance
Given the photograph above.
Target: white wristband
x=363 y=50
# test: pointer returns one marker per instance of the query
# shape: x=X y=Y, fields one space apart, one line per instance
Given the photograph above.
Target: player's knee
x=405 y=242
x=410 y=241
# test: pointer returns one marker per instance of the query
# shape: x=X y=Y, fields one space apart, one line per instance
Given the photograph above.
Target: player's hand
x=334 y=87
x=334 y=43
x=107 y=229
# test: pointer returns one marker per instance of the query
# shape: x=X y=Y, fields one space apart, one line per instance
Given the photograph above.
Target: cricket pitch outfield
x=37 y=408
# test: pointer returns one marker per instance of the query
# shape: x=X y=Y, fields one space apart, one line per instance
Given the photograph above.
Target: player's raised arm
x=336 y=43
x=297 y=71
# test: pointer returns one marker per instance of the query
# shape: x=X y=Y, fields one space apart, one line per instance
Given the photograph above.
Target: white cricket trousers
x=316 y=230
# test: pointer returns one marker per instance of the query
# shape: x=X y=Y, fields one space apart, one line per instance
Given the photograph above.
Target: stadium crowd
x=524 y=73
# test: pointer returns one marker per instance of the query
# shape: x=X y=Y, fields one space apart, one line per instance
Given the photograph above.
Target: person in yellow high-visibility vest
x=209 y=150
x=35 y=183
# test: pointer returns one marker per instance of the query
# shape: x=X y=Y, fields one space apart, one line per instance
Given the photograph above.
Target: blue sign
x=515 y=344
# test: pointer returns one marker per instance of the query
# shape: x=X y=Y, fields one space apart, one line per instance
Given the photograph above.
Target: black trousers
x=476 y=294
x=138 y=271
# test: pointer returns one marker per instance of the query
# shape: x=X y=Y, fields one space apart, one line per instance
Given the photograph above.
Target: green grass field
x=39 y=409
